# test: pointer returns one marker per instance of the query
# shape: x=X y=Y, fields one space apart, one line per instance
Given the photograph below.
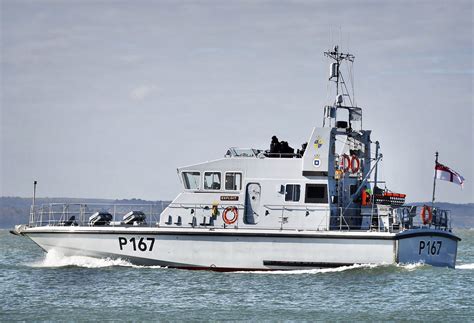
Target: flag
x=447 y=174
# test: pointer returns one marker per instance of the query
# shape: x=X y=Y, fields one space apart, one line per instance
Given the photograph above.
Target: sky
x=105 y=99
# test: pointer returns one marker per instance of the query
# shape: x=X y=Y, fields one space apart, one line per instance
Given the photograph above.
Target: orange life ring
x=345 y=163
x=355 y=169
x=235 y=213
x=423 y=214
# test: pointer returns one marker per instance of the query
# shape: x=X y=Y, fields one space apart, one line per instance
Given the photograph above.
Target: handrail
x=284 y=216
x=296 y=207
x=281 y=155
x=203 y=205
x=60 y=213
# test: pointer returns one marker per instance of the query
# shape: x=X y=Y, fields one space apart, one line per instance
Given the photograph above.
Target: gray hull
x=226 y=250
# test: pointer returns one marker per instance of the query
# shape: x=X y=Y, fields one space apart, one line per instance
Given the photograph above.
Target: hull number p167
x=430 y=247
x=141 y=244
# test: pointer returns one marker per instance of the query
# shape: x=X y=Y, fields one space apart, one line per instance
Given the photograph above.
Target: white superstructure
x=255 y=209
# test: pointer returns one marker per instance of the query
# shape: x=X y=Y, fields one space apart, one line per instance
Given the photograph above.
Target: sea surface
x=35 y=286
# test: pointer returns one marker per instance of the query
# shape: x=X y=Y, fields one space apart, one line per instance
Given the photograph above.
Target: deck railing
x=58 y=214
x=276 y=217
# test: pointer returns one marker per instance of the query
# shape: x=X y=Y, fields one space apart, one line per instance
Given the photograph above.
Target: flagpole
x=434 y=181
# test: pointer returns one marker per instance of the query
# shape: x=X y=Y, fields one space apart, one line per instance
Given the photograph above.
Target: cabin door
x=252 y=203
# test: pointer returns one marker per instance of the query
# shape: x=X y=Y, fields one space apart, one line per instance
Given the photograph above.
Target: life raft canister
x=424 y=218
x=355 y=164
x=345 y=163
x=234 y=212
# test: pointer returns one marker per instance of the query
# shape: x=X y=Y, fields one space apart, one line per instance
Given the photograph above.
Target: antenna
x=342 y=89
x=34 y=193
x=32 y=209
x=335 y=72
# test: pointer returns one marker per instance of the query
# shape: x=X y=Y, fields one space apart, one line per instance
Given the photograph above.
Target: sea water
x=35 y=286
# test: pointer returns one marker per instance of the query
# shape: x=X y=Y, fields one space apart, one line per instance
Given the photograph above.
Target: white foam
x=309 y=271
x=465 y=266
x=411 y=266
x=56 y=259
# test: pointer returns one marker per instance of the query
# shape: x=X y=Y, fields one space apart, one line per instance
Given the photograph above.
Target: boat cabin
x=307 y=190
x=326 y=185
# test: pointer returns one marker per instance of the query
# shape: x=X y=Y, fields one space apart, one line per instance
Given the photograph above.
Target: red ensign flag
x=447 y=174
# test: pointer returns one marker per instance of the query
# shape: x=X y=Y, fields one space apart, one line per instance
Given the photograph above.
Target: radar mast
x=342 y=90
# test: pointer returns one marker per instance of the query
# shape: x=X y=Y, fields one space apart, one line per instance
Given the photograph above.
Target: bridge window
x=191 y=180
x=212 y=181
x=233 y=181
x=292 y=192
x=316 y=193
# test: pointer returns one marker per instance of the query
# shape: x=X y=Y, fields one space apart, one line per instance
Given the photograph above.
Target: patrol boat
x=254 y=209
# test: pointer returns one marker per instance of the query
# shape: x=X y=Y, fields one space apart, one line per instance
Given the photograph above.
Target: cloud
x=142 y=92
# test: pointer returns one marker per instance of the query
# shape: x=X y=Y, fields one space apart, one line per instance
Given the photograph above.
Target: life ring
x=355 y=166
x=345 y=163
x=423 y=214
x=235 y=213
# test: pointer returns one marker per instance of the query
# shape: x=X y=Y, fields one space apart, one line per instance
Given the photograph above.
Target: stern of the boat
x=429 y=246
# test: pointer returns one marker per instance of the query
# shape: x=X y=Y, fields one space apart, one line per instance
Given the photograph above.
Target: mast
x=434 y=181
x=335 y=70
x=34 y=193
x=32 y=211
x=342 y=90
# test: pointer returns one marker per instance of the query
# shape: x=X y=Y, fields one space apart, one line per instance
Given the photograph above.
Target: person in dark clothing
x=275 y=146
x=303 y=148
x=284 y=147
x=286 y=150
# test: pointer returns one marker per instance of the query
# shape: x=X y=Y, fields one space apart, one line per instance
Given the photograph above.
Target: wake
x=407 y=267
x=54 y=259
x=411 y=267
x=310 y=271
x=465 y=266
